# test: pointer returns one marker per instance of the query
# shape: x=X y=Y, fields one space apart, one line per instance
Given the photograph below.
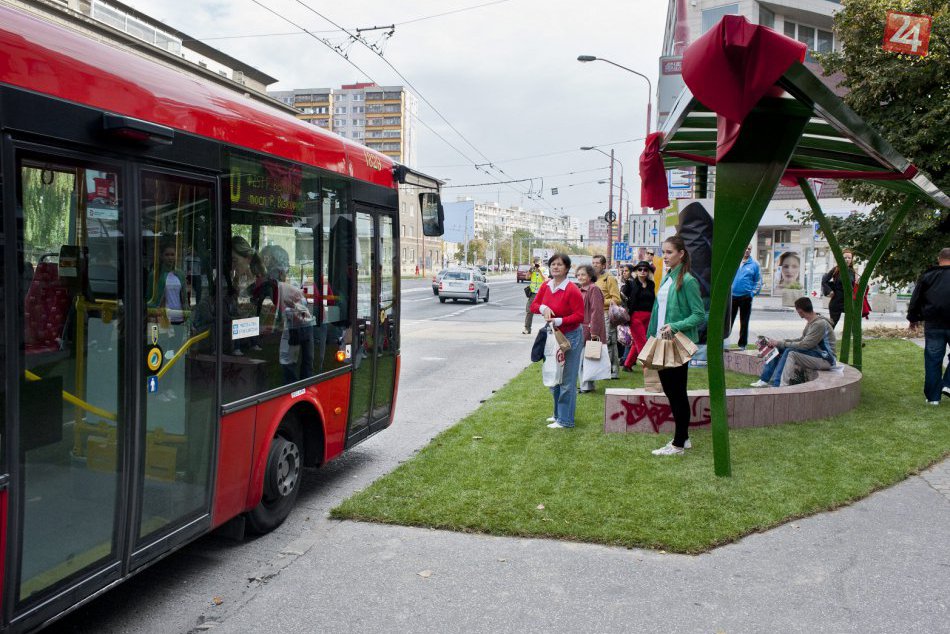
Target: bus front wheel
x=282 y=478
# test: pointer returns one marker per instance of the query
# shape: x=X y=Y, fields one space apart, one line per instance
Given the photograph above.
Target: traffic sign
x=622 y=251
x=610 y=217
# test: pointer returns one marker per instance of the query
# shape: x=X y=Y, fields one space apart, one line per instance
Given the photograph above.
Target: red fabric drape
x=734 y=65
x=653 y=191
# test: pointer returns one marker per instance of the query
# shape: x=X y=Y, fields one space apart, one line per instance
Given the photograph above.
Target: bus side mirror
x=433 y=216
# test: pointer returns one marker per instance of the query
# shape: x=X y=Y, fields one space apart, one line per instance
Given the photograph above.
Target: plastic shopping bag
x=552 y=371
x=597 y=369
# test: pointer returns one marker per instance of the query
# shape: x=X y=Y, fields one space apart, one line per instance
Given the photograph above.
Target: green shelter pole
x=876 y=256
x=844 y=348
x=746 y=179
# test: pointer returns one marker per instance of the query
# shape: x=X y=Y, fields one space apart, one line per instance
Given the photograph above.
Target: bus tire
x=282 y=478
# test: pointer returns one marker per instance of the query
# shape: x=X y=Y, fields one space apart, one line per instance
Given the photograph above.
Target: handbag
x=562 y=341
x=527 y=292
x=618 y=315
x=592 y=349
x=537 y=348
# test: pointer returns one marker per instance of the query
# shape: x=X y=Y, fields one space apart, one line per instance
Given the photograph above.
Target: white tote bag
x=552 y=371
x=597 y=369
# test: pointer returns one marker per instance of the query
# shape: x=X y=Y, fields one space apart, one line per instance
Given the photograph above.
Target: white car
x=463 y=284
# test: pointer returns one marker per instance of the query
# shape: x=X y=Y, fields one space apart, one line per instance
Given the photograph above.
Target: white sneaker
x=668 y=450
x=551 y=419
x=525 y=331
x=934 y=403
x=759 y=383
x=687 y=444
x=557 y=425
x=946 y=391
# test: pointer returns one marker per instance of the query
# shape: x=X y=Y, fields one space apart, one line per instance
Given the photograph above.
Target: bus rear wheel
x=282 y=478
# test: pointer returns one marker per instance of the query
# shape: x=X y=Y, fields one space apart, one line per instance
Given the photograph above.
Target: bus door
x=177 y=396
x=375 y=327
x=113 y=458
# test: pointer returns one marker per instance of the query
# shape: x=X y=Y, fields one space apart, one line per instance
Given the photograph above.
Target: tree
x=904 y=98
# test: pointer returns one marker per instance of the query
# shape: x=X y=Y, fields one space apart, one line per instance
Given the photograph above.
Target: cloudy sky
x=503 y=73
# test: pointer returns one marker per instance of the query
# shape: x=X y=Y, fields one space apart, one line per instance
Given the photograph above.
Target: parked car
x=523 y=273
x=483 y=268
x=463 y=284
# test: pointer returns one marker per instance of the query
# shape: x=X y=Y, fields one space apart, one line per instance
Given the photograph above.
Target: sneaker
x=759 y=383
x=668 y=450
x=687 y=444
x=551 y=419
x=946 y=391
x=557 y=425
x=934 y=403
x=525 y=331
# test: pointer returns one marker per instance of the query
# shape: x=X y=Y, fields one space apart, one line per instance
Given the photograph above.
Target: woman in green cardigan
x=678 y=308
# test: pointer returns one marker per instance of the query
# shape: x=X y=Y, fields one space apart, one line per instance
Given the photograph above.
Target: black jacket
x=930 y=302
x=831 y=283
x=638 y=298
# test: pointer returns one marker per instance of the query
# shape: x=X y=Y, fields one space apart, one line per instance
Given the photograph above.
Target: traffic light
x=582 y=239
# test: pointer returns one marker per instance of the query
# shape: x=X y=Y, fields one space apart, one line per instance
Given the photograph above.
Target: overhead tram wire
x=356 y=38
x=427 y=17
x=365 y=74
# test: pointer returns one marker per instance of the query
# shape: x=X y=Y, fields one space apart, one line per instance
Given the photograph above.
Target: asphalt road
x=881 y=565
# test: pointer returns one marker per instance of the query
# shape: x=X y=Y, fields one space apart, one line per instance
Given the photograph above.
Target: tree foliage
x=907 y=100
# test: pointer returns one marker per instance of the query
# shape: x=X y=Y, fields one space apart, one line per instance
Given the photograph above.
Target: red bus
x=255 y=255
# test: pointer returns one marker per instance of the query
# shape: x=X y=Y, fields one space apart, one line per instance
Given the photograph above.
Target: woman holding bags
x=562 y=306
x=678 y=308
x=594 y=325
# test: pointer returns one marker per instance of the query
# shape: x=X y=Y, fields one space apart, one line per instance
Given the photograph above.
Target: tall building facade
x=780 y=246
x=380 y=117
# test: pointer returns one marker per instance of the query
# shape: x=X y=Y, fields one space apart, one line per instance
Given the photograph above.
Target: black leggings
x=673 y=381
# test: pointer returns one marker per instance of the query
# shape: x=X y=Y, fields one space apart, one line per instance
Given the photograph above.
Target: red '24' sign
x=907 y=33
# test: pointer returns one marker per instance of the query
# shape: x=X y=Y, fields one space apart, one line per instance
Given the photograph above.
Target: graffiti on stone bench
x=655 y=412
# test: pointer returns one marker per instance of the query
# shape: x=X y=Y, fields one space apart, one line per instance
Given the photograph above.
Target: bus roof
x=49 y=59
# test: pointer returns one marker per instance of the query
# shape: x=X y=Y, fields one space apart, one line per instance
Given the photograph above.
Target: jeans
x=772 y=372
x=674 y=381
x=565 y=394
x=742 y=306
x=936 y=341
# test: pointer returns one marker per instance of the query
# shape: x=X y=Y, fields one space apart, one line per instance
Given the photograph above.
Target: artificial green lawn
x=502 y=471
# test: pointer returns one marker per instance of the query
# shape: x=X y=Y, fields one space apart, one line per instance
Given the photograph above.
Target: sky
x=503 y=73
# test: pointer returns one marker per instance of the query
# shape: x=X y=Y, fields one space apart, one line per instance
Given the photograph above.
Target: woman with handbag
x=678 y=308
x=641 y=295
x=562 y=306
x=593 y=325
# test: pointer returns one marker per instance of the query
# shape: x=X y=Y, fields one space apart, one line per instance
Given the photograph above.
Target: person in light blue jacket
x=746 y=285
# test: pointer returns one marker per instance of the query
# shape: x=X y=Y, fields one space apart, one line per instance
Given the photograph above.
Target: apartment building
x=466 y=219
x=124 y=26
x=777 y=239
x=380 y=117
x=597 y=230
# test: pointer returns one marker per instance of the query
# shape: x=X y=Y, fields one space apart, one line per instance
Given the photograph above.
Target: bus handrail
x=181 y=351
x=78 y=402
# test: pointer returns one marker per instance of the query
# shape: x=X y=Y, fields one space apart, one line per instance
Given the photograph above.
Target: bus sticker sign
x=907 y=33
x=244 y=328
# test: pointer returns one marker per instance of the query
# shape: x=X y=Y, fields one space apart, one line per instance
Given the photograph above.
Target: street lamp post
x=591 y=58
x=610 y=225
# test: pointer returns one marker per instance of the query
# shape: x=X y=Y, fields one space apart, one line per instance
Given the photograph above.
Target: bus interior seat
x=46 y=308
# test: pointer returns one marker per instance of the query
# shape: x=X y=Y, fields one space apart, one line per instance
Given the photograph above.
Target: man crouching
x=814 y=350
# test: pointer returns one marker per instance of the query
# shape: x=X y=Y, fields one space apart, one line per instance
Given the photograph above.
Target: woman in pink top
x=560 y=303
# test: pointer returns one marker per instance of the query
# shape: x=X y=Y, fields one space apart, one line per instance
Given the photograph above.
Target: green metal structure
x=799 y=131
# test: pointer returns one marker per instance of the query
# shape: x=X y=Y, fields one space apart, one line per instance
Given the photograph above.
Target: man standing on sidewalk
x=746 y=285
x=537 y=279
x=608 y=285
x=930 y=304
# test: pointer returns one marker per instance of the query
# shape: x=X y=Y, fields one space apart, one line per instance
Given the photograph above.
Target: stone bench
x=832 y=392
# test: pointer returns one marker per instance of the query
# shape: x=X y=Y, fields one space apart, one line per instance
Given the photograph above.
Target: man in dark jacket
x=930 y=304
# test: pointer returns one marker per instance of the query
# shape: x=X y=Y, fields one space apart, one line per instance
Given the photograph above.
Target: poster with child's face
x=788 y=267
